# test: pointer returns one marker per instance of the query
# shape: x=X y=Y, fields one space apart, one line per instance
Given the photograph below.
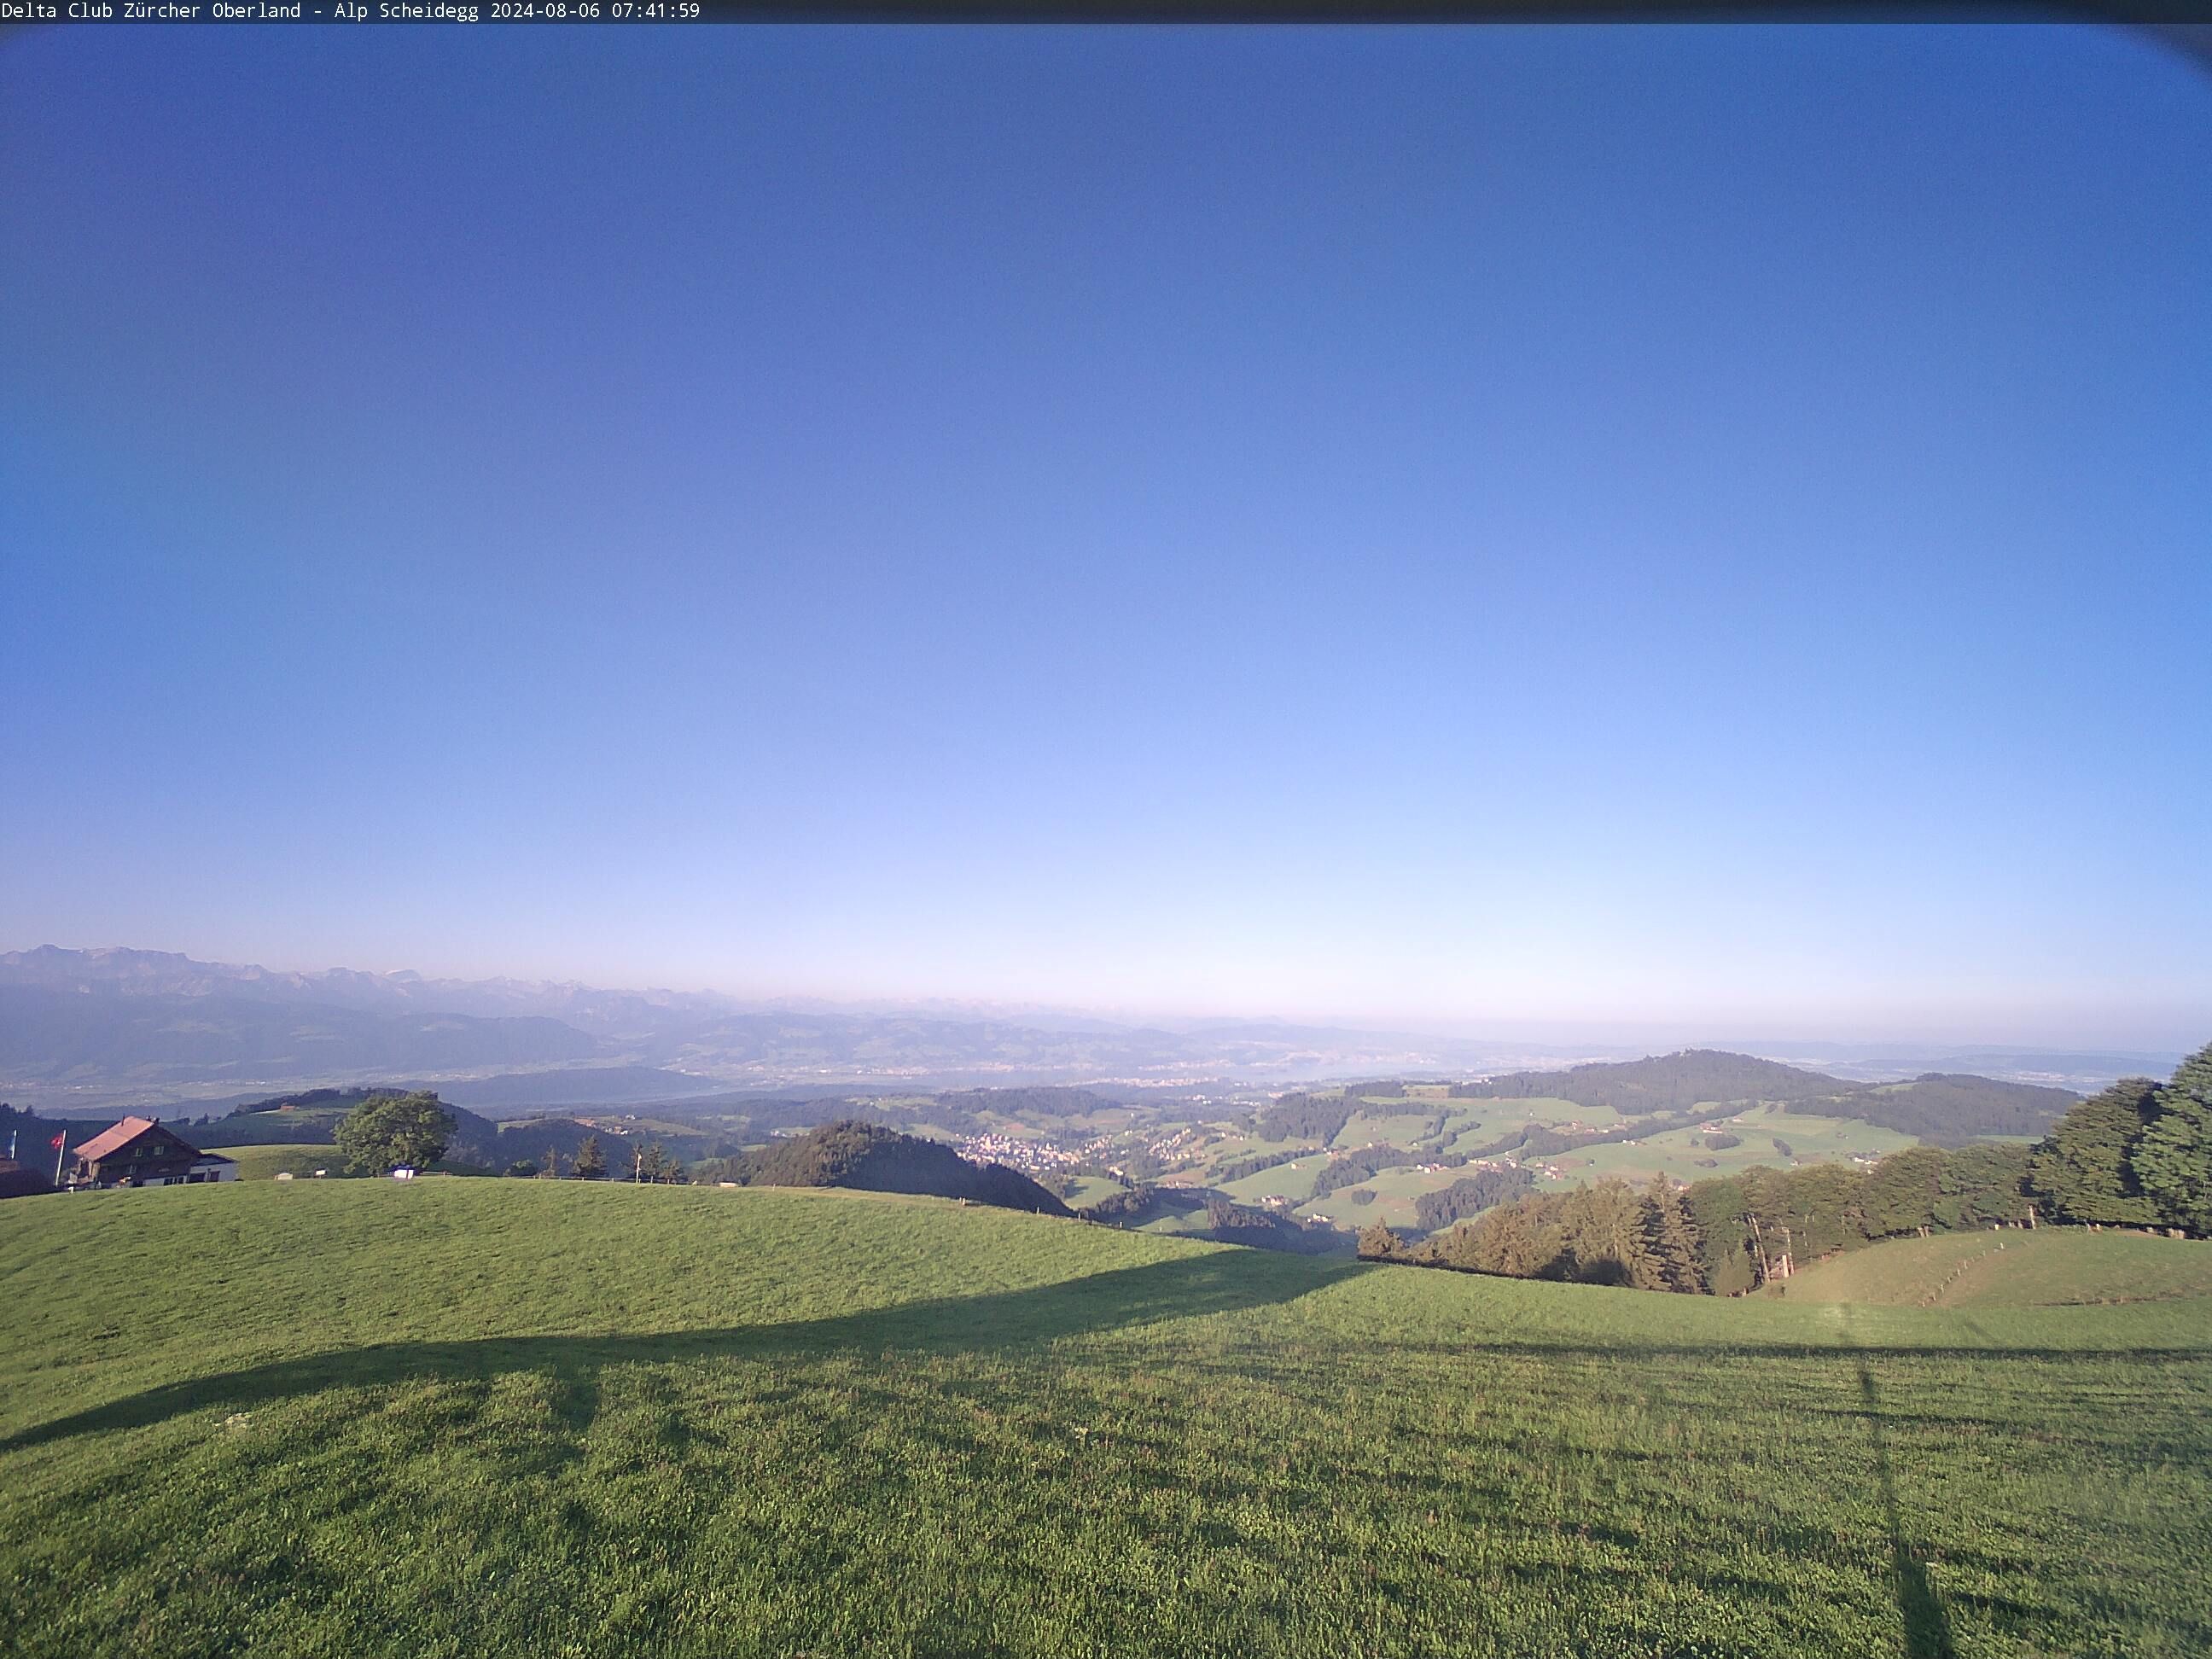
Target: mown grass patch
x=510 y=1417
x=2051 y=1266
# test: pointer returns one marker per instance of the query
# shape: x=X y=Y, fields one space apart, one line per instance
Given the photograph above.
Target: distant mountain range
x=80 y=1028
x=82 y=1025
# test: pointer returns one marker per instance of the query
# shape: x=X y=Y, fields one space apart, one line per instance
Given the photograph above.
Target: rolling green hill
x=1947 y=1108
x=1662 y=1083
x=473 y=1417
x=265 y=1162
x=2052 y=1266
x=872 y=1159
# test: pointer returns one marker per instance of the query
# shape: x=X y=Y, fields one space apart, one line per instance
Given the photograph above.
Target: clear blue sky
x=1708 y=526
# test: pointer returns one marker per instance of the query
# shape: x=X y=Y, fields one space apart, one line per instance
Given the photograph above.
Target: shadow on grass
x=1182 y=1288
x=1927 y=1626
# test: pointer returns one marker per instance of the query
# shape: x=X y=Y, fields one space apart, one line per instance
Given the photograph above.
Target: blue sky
x=1699 y=528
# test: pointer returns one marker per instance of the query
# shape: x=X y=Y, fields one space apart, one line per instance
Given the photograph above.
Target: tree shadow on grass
x=1927 y=1626
x=1185 y=1288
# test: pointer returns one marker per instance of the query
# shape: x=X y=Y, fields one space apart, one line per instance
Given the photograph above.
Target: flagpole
x=61 y=1149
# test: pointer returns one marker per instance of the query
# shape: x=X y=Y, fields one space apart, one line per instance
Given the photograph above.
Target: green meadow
x=1477 y=1122
x=1680 y=1153
x=266 y=1163
x=1089 y=1189
x=461 y=1418
x=1384 y=1122
x=2052 y=1266
x=1395 y=1192
x=1293 y=1180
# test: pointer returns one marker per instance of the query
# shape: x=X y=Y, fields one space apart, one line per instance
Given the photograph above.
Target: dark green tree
x=394 y=1132
x=1821 y=1205
x=552 y=1170
x=1605 y=1234
x=1982 y=1184
x=1723 y=1218
x=1901 y=1193
x=1378 y=1242
x=1517 y=1239
x=523 y=1170
x=1670 y=1238
x=2172 y=1162
x=2084 y=1171
x=591 y=1161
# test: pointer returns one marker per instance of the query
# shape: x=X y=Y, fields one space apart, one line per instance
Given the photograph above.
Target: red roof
x=110 y=1140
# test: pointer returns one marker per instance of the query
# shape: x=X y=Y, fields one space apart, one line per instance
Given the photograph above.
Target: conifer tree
x=591 y=1162
x=2172 y=1161
x=1605 y=1234
x=1720 y=1211
x=1511 y=1240
x=1671 y=1238
x=1378 y=1242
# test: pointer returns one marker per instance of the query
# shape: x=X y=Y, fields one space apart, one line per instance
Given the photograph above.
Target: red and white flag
x=56 y=1143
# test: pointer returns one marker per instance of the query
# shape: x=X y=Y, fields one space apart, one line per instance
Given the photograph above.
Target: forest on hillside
x=1947 y=1108
x=1664 y=1083
x=870 y=1158
x=2139 y=1154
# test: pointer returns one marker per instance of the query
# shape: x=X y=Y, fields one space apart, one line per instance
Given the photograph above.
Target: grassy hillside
x=460 y=1418
x=265 y=1162
x=869 y=1157
x=2052 y=1267
x=1761 y=1131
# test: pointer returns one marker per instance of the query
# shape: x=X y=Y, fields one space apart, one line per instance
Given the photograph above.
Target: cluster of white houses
x=139 y=1151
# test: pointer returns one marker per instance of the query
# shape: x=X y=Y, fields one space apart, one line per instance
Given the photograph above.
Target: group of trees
x=2138 y=1155
x=1267 y=1229
x=1306 y=1117
x=1470 y=1195
x=1664 y=1083
x=869 y=1157
x=1608 y=1234
x=1950 y=1108
x=1350 y=1168
x=1540 y=1140
x=650 y=1162
x=1947 y=1108
x=1747 y=1223
x=1255 y=1163
x=1040 y=1100
x=390 y=1132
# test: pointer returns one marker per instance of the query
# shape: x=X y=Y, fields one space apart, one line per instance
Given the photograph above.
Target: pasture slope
x=482 y=1417
x=2050 y=1267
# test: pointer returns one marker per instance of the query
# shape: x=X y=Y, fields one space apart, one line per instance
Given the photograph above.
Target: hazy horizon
x=2145 y=1034
x=1693 y=531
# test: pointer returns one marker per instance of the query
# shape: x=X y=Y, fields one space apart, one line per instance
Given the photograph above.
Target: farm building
x=139 y=1152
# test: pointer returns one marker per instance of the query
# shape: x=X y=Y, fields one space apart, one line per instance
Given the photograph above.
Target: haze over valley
x=81 y=1029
